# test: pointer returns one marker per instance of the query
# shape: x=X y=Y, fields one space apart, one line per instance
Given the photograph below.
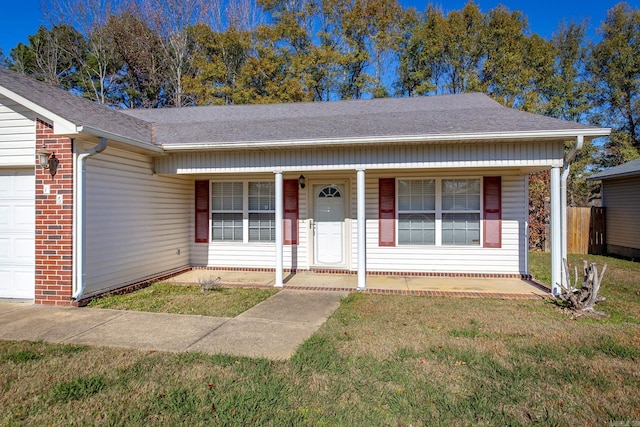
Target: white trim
x=279 y=229
x=119 y=138
x=347 y=224
x=525 y=237
x=245 y=211
x=62 y=126
x=79 y=213
x=361 y=215
x=455 y=137
x=556 y=230
x=438 y=212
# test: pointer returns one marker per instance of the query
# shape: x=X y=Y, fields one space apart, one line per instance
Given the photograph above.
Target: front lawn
x=380 y=360
x=187 y=299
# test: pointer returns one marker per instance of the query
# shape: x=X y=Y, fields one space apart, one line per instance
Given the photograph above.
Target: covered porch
x=384 y=284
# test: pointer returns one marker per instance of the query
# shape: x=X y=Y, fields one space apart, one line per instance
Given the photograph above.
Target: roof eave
x=613 y=176
x=64 y=127
x=61 y=126
x=398 y=139
x=135 y=143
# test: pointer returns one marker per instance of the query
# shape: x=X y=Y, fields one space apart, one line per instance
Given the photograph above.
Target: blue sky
x=19 y=19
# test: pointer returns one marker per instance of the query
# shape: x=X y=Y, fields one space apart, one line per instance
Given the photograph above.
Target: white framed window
x=242 y=211
x=439 y=212
x=262 y=212
x=227 y=211
x=417 y=212
x=461 y=212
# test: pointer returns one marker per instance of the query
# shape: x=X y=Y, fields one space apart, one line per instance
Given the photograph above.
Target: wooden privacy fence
x=578 y=223
x=585 y=231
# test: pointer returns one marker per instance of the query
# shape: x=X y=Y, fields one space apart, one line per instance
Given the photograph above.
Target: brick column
x=54 y=222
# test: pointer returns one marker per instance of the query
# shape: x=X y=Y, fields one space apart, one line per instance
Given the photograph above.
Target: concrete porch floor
x=406 y=285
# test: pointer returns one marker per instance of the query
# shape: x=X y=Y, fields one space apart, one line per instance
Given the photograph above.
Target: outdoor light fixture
x=302 y=181
x=48 y=160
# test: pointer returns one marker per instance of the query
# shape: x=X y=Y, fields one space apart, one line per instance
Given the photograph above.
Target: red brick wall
x=54 y=222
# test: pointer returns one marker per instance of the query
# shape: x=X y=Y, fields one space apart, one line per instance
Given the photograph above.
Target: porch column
x=279 y=229
x=563 y=222
x=556 y=231
x=362 y=231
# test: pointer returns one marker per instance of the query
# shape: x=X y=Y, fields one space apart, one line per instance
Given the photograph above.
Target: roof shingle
x=473 y=113
x=441 y=116
x=630 y=168
x=75 y=109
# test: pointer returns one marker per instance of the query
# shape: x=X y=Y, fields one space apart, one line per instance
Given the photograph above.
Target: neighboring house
x=621 y=198
x=429 y=186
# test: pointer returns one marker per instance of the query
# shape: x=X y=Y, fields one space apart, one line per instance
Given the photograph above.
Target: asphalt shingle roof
x=472 y=113
x=626 y=169
x=439 y=116
x=75 y=109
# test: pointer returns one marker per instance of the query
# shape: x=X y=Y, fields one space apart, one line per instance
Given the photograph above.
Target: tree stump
x=584 y=298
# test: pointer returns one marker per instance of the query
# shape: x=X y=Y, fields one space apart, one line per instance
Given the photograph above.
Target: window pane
x=460 y=194
x=416 y=229
x=262 y=227
x=226 y=226
x=262 y=196
x=416 y=195
x=461 y=229
x=226 y=196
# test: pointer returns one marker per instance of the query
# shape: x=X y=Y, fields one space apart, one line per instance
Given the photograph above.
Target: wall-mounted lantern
x=302 y=181
x=48 y=160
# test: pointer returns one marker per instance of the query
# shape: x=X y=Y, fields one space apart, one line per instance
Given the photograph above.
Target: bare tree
x=170 y=19
x=99 y=72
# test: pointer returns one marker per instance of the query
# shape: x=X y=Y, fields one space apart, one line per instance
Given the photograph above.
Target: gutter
x=79 y=217
x=120 y=138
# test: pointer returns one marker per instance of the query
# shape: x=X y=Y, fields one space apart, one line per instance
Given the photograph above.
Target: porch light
x=47 y=160
x=302 y=181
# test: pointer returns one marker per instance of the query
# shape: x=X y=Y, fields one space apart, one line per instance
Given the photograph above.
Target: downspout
x=79 y=215
x=563 y=205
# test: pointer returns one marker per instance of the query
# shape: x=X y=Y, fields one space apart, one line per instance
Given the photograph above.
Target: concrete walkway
x=273 y=329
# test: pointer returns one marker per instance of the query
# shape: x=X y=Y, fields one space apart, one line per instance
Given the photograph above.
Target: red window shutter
x=290 y=214
x=492 y=212
x=387 y=212
x=202 y=211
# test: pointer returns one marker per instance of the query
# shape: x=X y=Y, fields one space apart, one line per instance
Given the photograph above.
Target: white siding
x=17 y=135
x=622 y=200
x=137 y=223
x=509 y=259
x=252 y=255
x=495 y=155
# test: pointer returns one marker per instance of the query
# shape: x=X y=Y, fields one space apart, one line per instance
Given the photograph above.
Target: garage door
x=17 y=233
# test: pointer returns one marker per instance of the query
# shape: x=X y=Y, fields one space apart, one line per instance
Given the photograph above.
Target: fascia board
x=62 y=126
x=123 y=139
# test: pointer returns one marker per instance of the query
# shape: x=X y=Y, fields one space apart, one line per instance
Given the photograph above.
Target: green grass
x=186 y=299
x=379 y=360
x=77 y=389
x=620 y=284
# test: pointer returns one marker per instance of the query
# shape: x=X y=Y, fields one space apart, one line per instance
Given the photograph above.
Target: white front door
x=17 y=233
x=329 y=202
